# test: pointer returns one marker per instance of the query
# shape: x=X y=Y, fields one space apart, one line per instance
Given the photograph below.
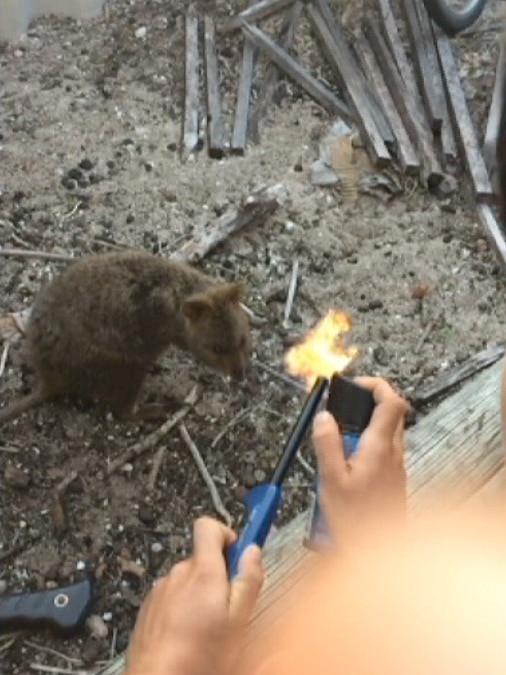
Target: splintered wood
x=214 y=121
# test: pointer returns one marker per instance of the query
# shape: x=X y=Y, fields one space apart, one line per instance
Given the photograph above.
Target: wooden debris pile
x=411 y=113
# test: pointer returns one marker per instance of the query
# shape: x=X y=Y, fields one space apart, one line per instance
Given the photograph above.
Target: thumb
x=247 y=585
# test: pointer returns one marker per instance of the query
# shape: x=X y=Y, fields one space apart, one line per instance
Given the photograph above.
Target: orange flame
x=323 y=351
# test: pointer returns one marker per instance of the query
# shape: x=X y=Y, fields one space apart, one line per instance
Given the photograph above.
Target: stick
x=448 y=142
x=280 y=376
x=42 y=255
x=420 y=135
x=462 y=119
x=494 y=115
x=424 y=69
x=318 y=91
x=191 y=74
x=3 y=358
x=406 y=153
x=305 y=465
x=240 y=131
x=254 y=212
x=235 y=420
x=494 y=231
x=291 y=293
x=157 y=463
x=428 y=330
x=272 y=73
x=153 y=438
x=457 y=375
x=59 y=509
x=258 y=11
x=214 y=123
x=218 y=504
x=342 y=61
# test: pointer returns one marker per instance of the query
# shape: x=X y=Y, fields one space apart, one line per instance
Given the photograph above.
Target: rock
x=147 y=515
x=375 y=304
x=16 y=477
x=141 y=32
x=448 y=186
x=96 y=626
x=132 y=567
x=86 y=164
x=75 y=173
x=260 y=475
x=92 y=650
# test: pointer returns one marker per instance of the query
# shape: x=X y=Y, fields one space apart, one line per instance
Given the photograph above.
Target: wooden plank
x=494 y=115
x=373 y=104
x=424 y=70
x=494 y=232
x=458 y=445
x=240 y=130
x=260 y=10
x=191 y=74
x=272 y=73
x=406 y=153
x=457 y=375
x=462 y=119
x=343 y=63
x=447 y=135
x=318 y=91
x=420 y=135
x=214 y=121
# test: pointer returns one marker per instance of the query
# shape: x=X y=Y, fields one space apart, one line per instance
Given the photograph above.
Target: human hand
x=367 y=491
x=193 y=619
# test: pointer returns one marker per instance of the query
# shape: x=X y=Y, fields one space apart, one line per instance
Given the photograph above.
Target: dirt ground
x=107 y=92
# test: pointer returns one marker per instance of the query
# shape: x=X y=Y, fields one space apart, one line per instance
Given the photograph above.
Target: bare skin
x=97 y=329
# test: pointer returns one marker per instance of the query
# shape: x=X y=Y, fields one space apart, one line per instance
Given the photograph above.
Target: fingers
x=390 y=408
x=210 y=538
x=247 y=585
x=329 y=447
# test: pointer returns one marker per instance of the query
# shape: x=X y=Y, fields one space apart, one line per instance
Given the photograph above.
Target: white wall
x=16 y=15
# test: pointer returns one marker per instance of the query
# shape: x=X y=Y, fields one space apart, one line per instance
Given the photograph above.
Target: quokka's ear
x=232 y=292
x=197 y=306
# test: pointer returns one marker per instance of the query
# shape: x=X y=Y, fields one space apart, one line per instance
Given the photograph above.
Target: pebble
x=147 y=515
x=260 y=475
x=75 y=173
x=15 y=477
x=448 y=186
x=141 y=32
x=86 y=164
x=96 y=626
x=92 y=649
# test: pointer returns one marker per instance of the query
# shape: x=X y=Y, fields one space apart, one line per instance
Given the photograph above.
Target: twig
x=3 y=358
x=112 y=650
x=218 y=504
x=291 y=293
x=255 y=321
x=43 y=255
x=152 y=439
x=72 y=211
x=49 y=650
x=305 y=465
x=280 y=376
x=428 y=330
x=58 y=506
x=157 y=463
x=8 y=642
x=235 y=420
x=57 y=671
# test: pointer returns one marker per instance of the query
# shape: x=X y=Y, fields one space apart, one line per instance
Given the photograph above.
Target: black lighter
x=352 y=407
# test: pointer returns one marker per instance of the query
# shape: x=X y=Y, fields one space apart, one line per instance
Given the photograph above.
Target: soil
x=106 y=92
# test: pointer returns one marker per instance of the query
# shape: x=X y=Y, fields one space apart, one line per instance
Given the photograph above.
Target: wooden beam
x=240 y=130
x=406 y=153
x=214 y=122
x=191 y=77
x=342 y=61
x=420 y=135
x=318 y=91
x=494 y=115
x=260 y=10
x=424 y=69
x=494 y=232
x=462 y=119
x=447 y=135
x=273 y=72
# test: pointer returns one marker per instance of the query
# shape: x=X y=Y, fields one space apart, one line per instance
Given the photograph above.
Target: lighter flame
x=323 y=351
